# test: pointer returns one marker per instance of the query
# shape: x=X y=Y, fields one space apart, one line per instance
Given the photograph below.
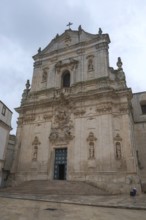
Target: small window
x=66 y=79
x=143 y=108
x=4 y=110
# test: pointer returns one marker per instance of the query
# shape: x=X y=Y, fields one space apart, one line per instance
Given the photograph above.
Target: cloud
x=34 y=22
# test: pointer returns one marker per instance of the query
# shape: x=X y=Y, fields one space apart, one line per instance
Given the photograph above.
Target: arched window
x=66 y=79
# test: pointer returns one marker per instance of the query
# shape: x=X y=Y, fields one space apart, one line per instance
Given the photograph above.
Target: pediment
x=69 y=38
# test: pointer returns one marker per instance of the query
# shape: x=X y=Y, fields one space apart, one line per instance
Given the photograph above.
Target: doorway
x=60 y=165
x=61 y=171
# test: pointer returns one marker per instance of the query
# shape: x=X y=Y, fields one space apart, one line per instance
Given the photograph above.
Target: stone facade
x=5 y=127
x=75 y=121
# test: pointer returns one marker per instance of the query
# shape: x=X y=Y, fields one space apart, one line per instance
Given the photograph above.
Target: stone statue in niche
x=36 y=141
x=44 y=76
x=91 y=150
x=118 y=150
x=35 y=153
x=90 y=65
x=91 y=137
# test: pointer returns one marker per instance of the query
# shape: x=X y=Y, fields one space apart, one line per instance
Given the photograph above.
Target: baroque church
x=76 y=120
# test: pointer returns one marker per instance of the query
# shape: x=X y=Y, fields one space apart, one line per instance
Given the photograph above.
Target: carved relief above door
x=62 y=129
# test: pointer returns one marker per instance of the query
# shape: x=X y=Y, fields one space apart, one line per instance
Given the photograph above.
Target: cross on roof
x=69 y=24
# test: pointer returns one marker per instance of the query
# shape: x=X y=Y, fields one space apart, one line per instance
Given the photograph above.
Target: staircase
x=54 y=187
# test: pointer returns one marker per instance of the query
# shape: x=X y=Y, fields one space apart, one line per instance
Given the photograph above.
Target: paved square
x=17 y=209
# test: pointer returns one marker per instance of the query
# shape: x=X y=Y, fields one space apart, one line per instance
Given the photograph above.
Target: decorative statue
x=100 y=31
x=25 y=91
x=118 y=150
x=80 y=28
x=91 y=150
x=119 y=63
x=44 y=76
x=35 y=153
x=39 y=50
x=90 y=65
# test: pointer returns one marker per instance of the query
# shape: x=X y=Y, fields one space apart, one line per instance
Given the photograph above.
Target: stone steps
x=54 y=187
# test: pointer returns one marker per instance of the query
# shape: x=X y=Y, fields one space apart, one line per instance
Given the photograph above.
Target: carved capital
x=20 y=121
x=29 y=118
x=37 y=64
x=102 y=46
x=124 y=108
x=79 y=112
x=47 y=116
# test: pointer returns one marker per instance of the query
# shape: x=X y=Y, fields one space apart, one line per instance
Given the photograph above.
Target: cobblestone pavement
x=19 y=209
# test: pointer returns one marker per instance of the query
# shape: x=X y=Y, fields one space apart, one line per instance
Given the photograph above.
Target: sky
x=26 y=25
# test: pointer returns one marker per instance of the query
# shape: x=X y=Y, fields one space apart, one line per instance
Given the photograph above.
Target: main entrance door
x=60 y=165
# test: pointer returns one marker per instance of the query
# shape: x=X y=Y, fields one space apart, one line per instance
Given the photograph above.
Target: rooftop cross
x=69 y=24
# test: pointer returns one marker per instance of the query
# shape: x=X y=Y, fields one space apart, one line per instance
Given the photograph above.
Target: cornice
x=78 y=97
x=100 y=87
x=4 y=125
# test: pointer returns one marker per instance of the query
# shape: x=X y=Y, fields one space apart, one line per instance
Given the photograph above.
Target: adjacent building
x=139 y=116
x=5 y=127
x=76 y=121
x=9 y=157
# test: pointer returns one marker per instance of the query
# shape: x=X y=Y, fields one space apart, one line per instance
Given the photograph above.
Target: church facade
x=75 y=121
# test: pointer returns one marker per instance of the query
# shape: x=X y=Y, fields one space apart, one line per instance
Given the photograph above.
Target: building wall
x=140 y=132
x=3 y=139
x=5 y=127
x=10 y=152
x=6 y=118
